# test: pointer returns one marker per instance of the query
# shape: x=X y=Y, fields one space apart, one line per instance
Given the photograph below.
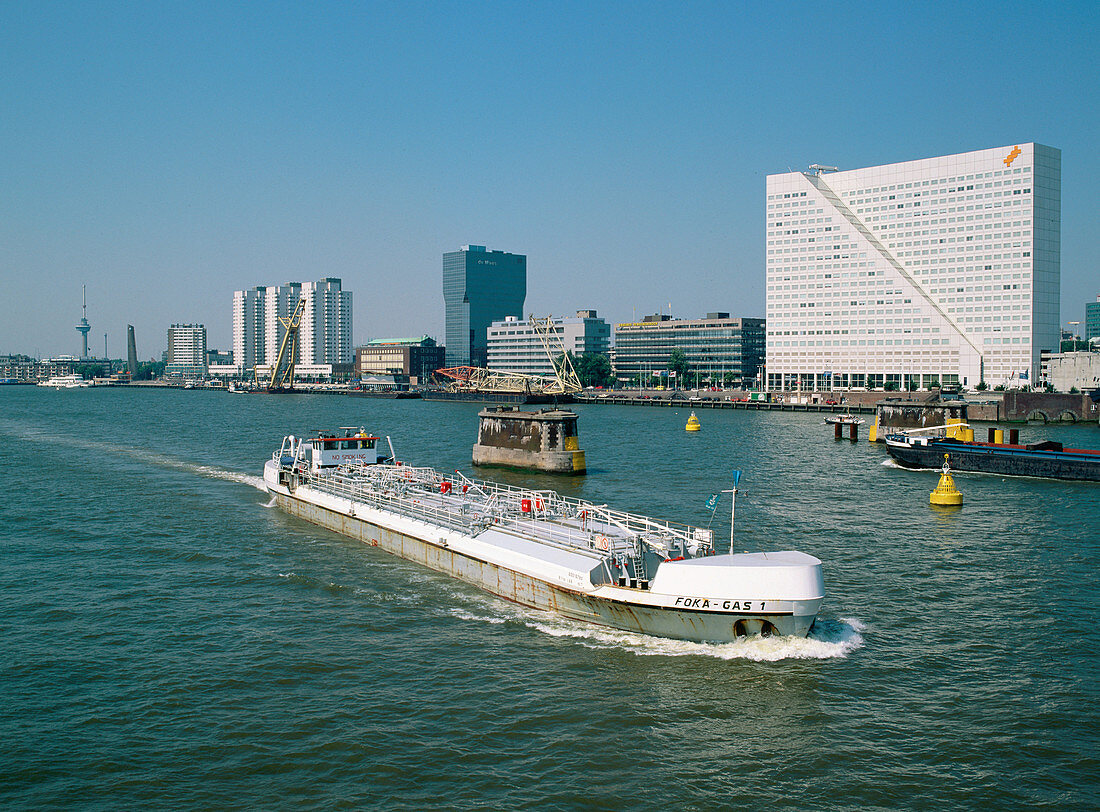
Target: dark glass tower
x=479 y=287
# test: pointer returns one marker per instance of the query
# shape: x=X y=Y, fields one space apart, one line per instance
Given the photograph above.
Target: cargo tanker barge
x=542 y=550
x=1049 y=460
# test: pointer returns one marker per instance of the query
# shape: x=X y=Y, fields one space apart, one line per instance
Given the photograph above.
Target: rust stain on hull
x=520 y=588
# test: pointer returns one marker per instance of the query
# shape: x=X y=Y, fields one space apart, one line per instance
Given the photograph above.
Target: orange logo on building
x=1012 y=156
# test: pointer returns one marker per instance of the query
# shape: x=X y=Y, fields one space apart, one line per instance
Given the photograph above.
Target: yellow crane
x=282 y=371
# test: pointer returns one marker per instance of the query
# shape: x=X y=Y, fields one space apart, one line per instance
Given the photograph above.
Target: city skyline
x=168 y=156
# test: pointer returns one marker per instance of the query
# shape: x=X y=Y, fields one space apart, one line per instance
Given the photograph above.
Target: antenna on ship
x=712 y=503
x=733 y=507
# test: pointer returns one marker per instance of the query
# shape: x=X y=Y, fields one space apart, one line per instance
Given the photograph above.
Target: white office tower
x=325 y=336
x=939 y=271
x=260 y=316
x=186 y=350
x=248 y=328
x=279 y=304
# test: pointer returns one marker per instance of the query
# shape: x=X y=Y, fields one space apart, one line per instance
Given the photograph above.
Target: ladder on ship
x=637 y=564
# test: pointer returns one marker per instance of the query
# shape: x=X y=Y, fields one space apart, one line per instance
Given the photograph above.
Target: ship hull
x=999 y=459
x=614 y=607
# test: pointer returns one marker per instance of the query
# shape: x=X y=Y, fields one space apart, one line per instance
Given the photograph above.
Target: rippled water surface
x=167 y=640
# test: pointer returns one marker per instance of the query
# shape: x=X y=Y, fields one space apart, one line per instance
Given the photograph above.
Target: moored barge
x=1046 y=459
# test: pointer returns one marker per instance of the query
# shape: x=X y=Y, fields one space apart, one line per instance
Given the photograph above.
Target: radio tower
x=83 y=328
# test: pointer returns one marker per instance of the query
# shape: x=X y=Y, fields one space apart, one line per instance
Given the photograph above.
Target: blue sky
x=167 y=154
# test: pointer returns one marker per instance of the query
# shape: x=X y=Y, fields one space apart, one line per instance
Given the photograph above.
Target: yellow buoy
x=693 y=423
x=946 y=493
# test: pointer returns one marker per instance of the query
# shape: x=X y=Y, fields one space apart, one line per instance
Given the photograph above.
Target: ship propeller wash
x=543 y=550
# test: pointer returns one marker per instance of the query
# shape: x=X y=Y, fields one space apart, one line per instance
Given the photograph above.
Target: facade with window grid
x=513 y=345
x=479 y=287
x=186 y=350
x=1092 y=320
x=716 y=348
x=932 y=272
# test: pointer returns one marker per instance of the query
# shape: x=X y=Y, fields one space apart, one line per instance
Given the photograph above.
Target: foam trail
x=271 y=503
x=830 y=639
x=210 y=471
x=153 y=457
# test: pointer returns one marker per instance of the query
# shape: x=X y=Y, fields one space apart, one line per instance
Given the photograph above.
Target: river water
x=169 y=641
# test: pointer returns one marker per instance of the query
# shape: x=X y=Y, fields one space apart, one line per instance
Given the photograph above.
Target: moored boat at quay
x=845 y=420
x=543 y=550
x=1049 y=460
x=66 y=382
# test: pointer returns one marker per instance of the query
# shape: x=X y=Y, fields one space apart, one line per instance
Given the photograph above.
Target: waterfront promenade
x=982 y=407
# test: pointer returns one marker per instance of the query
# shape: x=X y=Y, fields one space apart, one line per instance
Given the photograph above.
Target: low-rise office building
x=513 y=345
x=412 y=358
x=220 y=364
x=19 y=368
x=24 y=369
x=310 y=373
x=215 y=356
x=1071 y=370
x=717 y=348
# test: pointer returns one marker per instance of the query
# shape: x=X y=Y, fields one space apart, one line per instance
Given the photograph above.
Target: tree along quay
x=676 y=400
x=992 y=407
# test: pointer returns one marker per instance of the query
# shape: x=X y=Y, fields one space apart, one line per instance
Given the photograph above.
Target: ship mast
x=733 y=507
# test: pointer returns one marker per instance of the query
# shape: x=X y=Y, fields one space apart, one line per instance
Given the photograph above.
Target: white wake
x=155 y=458
x=829 y=639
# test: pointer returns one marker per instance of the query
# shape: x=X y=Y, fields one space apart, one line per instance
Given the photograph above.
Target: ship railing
x=581 y=523
x=409 y=498
x=398 y=498
x=941 y=429
x=545 y=514
x=289 y=447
